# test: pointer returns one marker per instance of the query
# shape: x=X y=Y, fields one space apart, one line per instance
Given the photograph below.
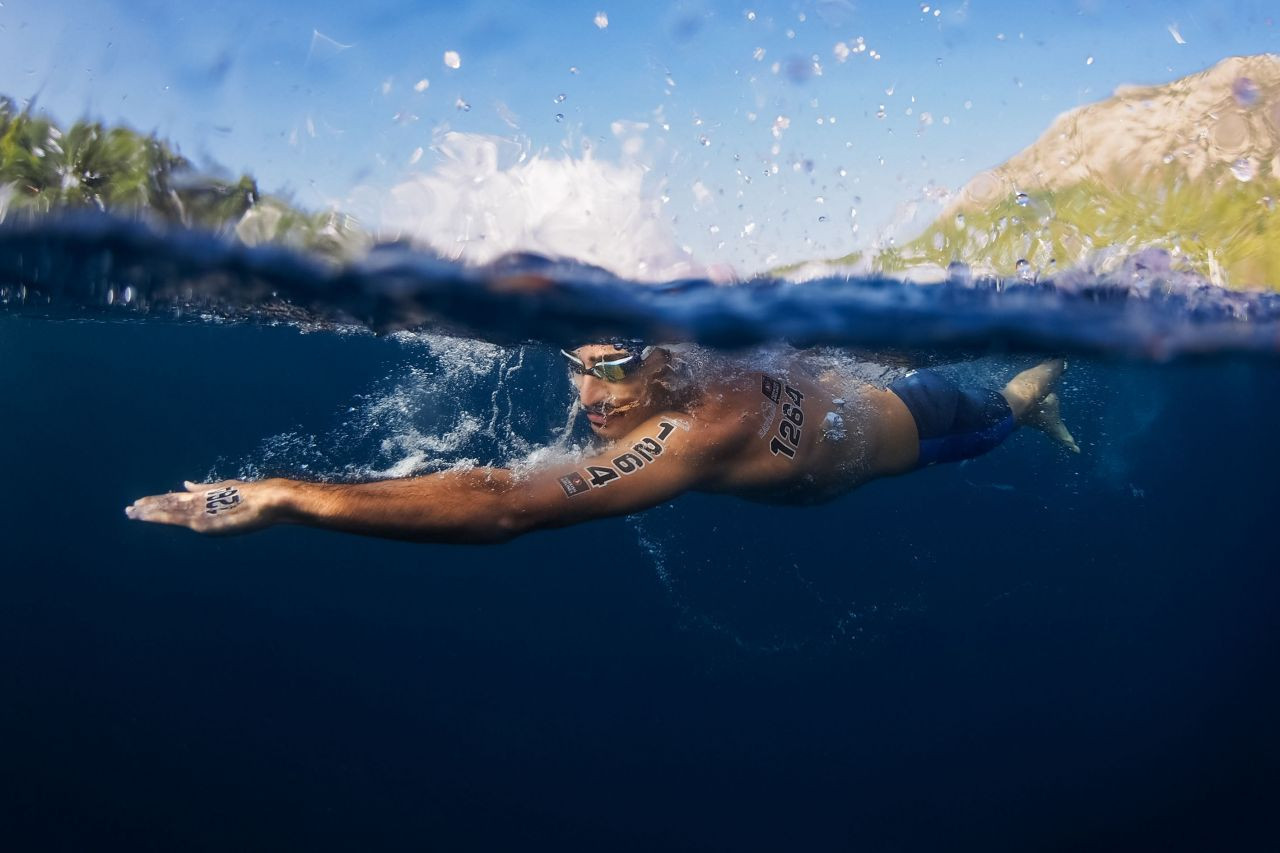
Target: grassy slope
x=1221 y=227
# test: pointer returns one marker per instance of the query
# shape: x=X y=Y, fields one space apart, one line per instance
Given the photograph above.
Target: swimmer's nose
x=592 y=391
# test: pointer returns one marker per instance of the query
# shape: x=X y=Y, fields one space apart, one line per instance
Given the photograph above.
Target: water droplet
x=758 y=54
x=416 y=156
x=842 y=172
x=1242 y=169
x=559 y=117
x=1089 y=61
x=1168 y=158
x=1022 y=199
x=560 y=98
x=462 y=105
x=601 y=20
x=573 y=69
x=1245 y=91
x=880 y=113
x=452 y=59
x=822 y=219
x=422 y=85
x=703 y=141
x=959 y=220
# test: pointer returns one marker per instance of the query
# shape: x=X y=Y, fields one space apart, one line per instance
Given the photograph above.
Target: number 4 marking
x=601 y=475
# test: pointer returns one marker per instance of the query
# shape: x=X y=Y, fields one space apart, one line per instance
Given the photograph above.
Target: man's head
x=616 y=385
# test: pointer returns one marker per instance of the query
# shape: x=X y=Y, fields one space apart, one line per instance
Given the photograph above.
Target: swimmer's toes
x=1048 y=419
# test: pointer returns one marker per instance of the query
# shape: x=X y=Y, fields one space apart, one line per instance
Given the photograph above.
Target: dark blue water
x=1035 y=650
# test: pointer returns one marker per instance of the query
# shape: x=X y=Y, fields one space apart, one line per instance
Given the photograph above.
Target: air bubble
x=703 y=141
x=559 y=117
x=452 y=59
x=559 y=99
x=1022 y=199
x=1245 y=91
x=1242 y=169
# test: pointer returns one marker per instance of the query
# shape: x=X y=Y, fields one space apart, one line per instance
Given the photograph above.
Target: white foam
x=487 y=196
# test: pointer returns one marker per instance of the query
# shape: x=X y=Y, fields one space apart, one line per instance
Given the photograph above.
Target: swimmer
x=666 y=425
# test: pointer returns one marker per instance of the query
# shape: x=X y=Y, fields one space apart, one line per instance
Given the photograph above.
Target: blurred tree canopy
x=47 y=169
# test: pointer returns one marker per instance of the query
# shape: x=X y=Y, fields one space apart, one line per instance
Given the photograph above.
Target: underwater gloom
x=691 y=427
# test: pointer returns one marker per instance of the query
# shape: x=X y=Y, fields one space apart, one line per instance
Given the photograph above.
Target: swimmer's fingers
x=181 y=508
x=212 y=508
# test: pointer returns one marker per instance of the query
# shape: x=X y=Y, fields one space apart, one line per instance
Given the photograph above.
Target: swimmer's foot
x=1047 y=417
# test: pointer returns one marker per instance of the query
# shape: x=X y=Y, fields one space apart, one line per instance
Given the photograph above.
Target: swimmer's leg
x=1033 y=402
x=956 y=423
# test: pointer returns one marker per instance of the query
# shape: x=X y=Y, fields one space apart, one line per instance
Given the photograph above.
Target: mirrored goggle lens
x=611 y=370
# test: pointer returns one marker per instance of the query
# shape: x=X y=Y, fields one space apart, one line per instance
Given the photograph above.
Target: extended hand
x=230 y=506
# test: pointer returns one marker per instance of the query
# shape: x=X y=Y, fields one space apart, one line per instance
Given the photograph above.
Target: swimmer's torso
x=791 y=438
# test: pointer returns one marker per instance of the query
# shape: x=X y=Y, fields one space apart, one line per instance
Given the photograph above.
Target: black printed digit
x=795 y=395
x=600 y=475
x=651 y=445
x=665 y=429
x=788 y=431
x=794 y=413
x=778 y=447
x=628 y=463
x=640 y=448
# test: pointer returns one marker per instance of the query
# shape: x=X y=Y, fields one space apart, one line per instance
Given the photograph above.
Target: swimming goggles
x=613 y=369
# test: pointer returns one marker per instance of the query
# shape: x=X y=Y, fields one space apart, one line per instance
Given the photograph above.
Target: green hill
x=1192 y=166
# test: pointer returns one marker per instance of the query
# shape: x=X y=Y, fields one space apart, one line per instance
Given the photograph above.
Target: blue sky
x=325 y=99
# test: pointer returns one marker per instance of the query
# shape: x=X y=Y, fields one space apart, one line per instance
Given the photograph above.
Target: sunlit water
x=1029 y=650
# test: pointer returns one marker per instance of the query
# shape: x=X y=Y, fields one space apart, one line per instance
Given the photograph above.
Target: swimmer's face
x=613 y=408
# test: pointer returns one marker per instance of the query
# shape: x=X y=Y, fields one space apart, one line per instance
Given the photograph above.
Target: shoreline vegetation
x=88 y=166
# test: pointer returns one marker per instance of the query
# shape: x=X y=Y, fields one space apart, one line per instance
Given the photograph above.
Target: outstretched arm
x=660 y=459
